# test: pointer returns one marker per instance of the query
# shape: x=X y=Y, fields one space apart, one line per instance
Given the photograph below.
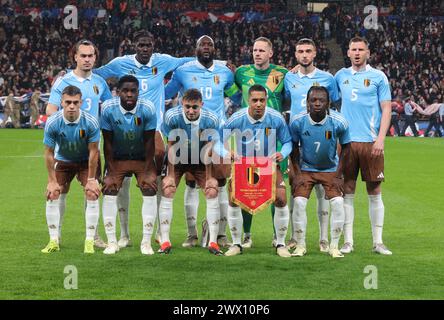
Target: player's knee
x=148 y=192
x=169 y=192
x=91 y=196
x=191 y=183
x=211 y=193
x=280 y=201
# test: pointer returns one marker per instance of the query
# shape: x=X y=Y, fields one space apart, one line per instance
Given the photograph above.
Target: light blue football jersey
x=128 y=127
x=318 y=140
x=94 y=91
x=70 y=139
x=362 y=93
x=191 y=134
x=151 y=76
x=214 y=83
x=256 y=137
x=298 y=84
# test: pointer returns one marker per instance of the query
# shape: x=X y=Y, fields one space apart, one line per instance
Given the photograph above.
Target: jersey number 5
x=354 y=96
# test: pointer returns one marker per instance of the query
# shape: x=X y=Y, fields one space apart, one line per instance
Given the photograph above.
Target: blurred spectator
x=409 y=119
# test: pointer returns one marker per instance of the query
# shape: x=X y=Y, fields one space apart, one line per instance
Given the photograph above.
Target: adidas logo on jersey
x=306 y=133
x=381 y=176
x=345 y=82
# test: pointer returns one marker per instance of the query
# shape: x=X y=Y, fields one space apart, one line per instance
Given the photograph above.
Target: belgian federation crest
x=96 y=89
x=316 y=84
x=328 y=135
x=367 y=82
x=82 y=133
x=137 y=121
x=216 y=79
x=154 y=71
x=254 y=183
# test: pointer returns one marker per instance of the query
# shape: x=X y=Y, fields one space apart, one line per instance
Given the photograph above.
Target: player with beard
x=214 y=81
x=296 y=88
x=94 y=91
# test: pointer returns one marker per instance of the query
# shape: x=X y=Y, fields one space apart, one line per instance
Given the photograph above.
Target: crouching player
x=128 y=125
x=257 y=121
x=71 y=139
x=318 y=133
x=185 y=126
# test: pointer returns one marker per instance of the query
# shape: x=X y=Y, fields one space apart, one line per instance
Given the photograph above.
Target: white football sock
x=213 y=217
x=223 y=205
x=109 y=211
x=290 y=209
x=376 y=213
x=191 y=200
x=235 y=221
x=149 y=213
x=159 y=198
x=281 y=217
x=322 y=209
x=53 y=218
x=300 y=219
x=349 y=217
x=337 y=219
x=123 y=200
x=165 y=217
x=62 y=207
x=91 y=218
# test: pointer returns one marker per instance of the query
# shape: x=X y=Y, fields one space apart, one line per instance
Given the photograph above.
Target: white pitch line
x=1 y=157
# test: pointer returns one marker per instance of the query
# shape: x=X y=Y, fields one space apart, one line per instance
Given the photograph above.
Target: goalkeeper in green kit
x=271 y=77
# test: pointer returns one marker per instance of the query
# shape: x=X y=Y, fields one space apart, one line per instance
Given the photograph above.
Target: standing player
x=296 y=88
x=214 y=81
x=94 y=90
x=71 y=141
x=188 y=122
x=366 y=105
x=271 y=77
x=255 y=121
x=128 y=126
x=317 y=133
x=150 y=69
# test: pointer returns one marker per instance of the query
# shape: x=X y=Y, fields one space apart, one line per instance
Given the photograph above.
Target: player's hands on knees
x=378 y=148
x=211 y=187
x=277 y=157
x=52 y=191
x=169 y=185
x=92 y=189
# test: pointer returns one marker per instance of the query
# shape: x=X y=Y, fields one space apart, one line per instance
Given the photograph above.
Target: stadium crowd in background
x=407 y=46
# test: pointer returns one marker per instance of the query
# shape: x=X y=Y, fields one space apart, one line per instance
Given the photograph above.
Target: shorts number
x=208 y=94
x=88 y=104
x=144 y=84
x=318 y=144
x=354 y=96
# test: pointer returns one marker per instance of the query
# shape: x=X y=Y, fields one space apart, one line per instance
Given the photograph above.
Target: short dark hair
x=192 y=95
x=127 y=78
x=142 y=34
x=84 y=42
x=318 y=88
x=305 y=41
x=72 y=91
x=358 y=39
x=256 y=87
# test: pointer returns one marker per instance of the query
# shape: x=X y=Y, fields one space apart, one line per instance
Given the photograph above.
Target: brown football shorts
x=304 y=182
x=145 y=178
x=66 y=171
x=358 y=157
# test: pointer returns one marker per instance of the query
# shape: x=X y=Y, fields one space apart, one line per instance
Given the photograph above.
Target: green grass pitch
x=414 y=229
